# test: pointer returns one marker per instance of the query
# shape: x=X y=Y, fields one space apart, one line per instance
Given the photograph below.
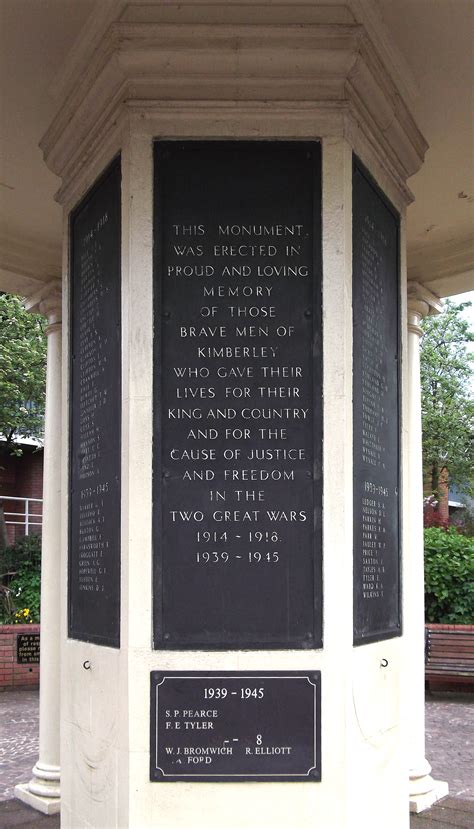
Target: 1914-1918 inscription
x=28 y=648
x=95 y=423
x=237 y=453
x=376 y=412
x=230 y=726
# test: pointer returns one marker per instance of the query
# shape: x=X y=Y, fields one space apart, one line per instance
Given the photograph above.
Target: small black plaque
x=376 y=395
x=95 y=414
x=28 y=648
x=232 y=726
x=237 y=396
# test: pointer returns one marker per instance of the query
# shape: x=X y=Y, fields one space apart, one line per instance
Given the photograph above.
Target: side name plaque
x=28 y=648
x=376 y=393
x=237 y=396
x=233 y=726
x=95 y=415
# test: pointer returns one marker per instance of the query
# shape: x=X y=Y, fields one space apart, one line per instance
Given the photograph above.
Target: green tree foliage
x=447 y=405
x=449 y=577
x=22 y=372
x=20 y=581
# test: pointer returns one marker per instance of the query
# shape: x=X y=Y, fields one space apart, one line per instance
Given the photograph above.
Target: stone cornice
x=379 y=100
x=322 y=66
x=368 y=13
x=106 y=12
x=103 y=14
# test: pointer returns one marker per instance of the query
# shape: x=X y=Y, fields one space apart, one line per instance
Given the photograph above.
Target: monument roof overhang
x=237 y=70
x=355 y=68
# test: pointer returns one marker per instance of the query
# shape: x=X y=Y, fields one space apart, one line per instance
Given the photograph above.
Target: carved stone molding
x=287 y=70
x=48 y=302
x=421 y=303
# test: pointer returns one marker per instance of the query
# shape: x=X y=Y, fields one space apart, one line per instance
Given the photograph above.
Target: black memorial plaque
x=232 y=726
x=376 y=395
x=237 y=431
x=28 y=648
x=95 y=414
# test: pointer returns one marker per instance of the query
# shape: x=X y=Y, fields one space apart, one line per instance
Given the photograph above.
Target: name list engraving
x=376 y=413
x=238 y=405
x=94 y=563
x=228 y=726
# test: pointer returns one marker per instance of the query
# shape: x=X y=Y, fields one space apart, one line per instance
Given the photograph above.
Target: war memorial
x=233 y=587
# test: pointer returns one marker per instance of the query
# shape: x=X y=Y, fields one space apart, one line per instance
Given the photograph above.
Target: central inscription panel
x=237 y=431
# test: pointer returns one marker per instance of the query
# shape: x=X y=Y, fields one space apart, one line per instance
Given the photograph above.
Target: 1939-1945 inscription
x=237 y=433
x=95 y=421
x=230 y=726
x=376 y=412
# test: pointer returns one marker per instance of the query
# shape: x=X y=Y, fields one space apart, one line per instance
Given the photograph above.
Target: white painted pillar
x=424 y=791
x=43 y=790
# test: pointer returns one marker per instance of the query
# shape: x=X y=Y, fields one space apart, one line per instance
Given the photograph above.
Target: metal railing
x=27 y=518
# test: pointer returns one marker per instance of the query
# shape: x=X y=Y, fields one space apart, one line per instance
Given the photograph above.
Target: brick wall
x=29 y=477
x=21 y=477
x=13 y=675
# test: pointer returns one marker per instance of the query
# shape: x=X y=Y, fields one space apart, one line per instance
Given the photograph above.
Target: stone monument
x=234 y=306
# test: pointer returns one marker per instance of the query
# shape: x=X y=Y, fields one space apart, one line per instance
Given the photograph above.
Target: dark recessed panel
x=95 y=419
x=229 y=726
x=28 y=648
x=376 y=392
x=237 y=396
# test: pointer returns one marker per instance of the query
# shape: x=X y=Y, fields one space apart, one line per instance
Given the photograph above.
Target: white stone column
x=43 y=790
x=424 y=791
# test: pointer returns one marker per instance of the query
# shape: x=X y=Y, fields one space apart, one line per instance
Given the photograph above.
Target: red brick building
x=21 y=489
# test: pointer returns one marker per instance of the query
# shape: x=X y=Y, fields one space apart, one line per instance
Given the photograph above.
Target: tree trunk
x=443 y=495
x=435 y=479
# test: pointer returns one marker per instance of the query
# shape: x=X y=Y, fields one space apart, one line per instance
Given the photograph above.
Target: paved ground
x=450 y=742
x=450 y=813
x=449 y=748
x=19 y=718
x=15 y=815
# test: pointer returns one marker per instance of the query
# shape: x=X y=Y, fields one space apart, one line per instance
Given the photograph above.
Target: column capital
x=421 y=303
x=48 y=302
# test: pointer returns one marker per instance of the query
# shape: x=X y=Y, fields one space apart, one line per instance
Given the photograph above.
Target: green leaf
x=22 y=372
x=449 y=577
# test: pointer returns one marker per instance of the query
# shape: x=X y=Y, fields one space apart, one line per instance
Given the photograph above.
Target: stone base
x=420 y=802
x=46 y=805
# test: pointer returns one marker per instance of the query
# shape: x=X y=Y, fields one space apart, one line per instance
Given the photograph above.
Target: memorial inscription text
x=94 y=560
x=237 y=395
x=229 y=726
x=376 y=413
